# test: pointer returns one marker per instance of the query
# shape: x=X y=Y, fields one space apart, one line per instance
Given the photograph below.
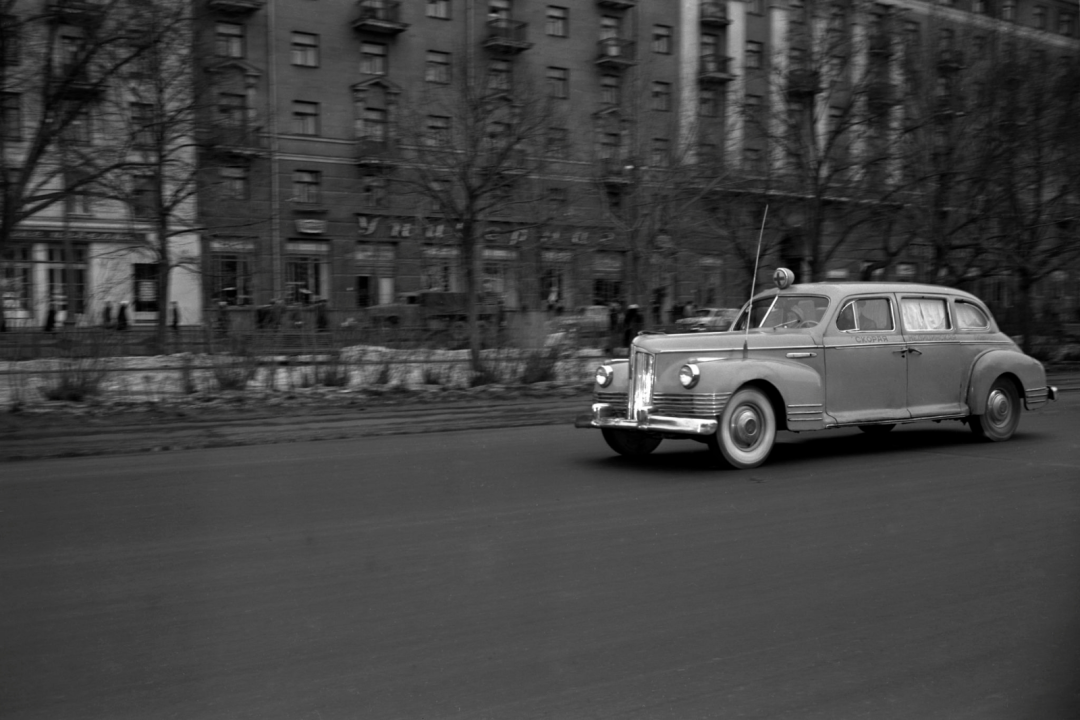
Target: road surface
x=529 y=573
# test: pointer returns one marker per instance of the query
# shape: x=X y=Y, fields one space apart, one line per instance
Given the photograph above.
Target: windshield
x=784 y=312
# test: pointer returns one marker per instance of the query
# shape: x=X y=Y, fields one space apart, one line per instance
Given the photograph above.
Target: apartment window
x=558 y=21
x=375 y=124
x=437 y=67
x=661 y=39
x=610 y=86
x=10 y=47
x=661 y=152
x=946 y=38
x=373 y=191
x=757 y=7
x=499 y=75
x=609 y=27
x=306 y=185
x=145 y=276
x=232 y=109
x=234 y=183
x=610 y=144
x=911 y=33
x=230 y=278
x=305 y=118
x=661 y=96
x=229 y=40
x=16 y=277
x=556 y=199
x=438 y=9
x=80 y=129
x=1038 y=17
x=558 y=81
x=499 y=10
x=142 y=197
x=437 y=131
x=753 y=160
x=77 y=200
x=978 y=7
x=708 y=102
x=10 y=116
x=1008 y=10
x=304 y=278
x=305 y=49
x=754 y=108
x=557 y=144
x=373 y=58
x=1066 y=24
x=142 y=124
x=755 y=53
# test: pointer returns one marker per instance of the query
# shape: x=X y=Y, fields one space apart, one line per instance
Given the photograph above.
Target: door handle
x=914 y=351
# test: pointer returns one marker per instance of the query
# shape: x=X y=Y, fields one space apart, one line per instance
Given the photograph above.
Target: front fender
x=992 y=364
x=797 y=388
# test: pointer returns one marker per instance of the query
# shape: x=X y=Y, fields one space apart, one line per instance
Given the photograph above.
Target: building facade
x=80 y=235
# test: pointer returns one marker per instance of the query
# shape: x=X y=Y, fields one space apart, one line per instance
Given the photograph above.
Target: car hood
x=719 y=341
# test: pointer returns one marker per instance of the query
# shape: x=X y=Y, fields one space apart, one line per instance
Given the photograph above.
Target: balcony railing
x=76 y=12
x=377 y=153
x=244 y=140
x=379 y=16
x=715 y=69
x=507 y=36
x=235 y=7
x=615 y=53
x=714 y=12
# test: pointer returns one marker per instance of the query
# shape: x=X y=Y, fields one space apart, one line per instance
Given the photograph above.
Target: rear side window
x=866 y=314
x=970 y=317
x=925 y=314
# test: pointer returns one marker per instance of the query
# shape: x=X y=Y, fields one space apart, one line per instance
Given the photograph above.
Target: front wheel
x=630 y=443
x=747 y=429
x=1002 y=414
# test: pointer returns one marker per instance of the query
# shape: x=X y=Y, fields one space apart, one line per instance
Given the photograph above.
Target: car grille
x=642 y=369
x=699 y=405
x=612 y=398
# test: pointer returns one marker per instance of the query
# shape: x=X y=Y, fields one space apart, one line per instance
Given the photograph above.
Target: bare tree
x=57 y=61
x=470 y=153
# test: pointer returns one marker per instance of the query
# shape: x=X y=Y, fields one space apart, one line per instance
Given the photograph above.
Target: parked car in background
x=708 y=320
x=815 y=356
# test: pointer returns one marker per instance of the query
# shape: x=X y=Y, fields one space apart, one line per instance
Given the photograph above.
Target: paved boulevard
x=528 y=573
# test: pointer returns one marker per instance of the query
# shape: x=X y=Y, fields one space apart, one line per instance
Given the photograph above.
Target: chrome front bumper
x=605 y=415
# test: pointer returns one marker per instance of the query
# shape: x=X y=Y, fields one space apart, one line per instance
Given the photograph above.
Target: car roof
x=837 y=290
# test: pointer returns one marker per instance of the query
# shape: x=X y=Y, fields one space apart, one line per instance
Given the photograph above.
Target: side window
x=874 y=314
x=925 y=314
x=970 y=317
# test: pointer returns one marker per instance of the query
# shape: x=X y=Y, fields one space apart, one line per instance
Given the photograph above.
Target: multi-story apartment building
x=81 y=147
x=656 y=108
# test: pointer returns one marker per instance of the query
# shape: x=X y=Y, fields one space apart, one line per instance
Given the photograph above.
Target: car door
x=936 y=360
x=865 y=365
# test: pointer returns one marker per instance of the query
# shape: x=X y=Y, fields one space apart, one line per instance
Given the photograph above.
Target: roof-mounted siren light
x=783 y=278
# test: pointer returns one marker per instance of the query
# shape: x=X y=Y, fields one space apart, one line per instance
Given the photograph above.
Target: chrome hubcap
x=746 y=426
x=998 y=407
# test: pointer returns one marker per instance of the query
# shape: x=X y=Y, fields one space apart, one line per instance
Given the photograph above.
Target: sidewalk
x=62 y=430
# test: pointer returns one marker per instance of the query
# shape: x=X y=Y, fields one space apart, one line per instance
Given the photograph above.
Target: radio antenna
x=753 y=282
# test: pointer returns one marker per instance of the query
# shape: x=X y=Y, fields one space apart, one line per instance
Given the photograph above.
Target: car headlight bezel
x=605 y=375
x=689 y=375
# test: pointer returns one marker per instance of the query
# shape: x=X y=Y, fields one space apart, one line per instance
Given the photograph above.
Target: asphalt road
x=528 y=573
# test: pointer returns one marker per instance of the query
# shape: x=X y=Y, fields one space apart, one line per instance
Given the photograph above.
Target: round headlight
x=604 y=375
x=689 y=375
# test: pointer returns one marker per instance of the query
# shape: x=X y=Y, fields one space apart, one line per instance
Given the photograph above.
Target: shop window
x=16 y=277
x=304 y=278
x=230 y=278
x=62 y=267
x=145 y=291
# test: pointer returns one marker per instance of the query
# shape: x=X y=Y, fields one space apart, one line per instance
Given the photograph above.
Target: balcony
x=76 y=12
x=379 y=16
x=715 y=69
x=803 y=83
x=950 y=60
x=235 y=140
x=617 y=4
x=615 y=53
x=714 y=13
x=75 y=82
x=507 y=36
x=377 y=153
x=235 y=7
x=616 y=171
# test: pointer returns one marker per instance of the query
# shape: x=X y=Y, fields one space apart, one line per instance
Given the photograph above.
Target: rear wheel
x=747 y=429
x=630 y=443
x=1002 y=414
